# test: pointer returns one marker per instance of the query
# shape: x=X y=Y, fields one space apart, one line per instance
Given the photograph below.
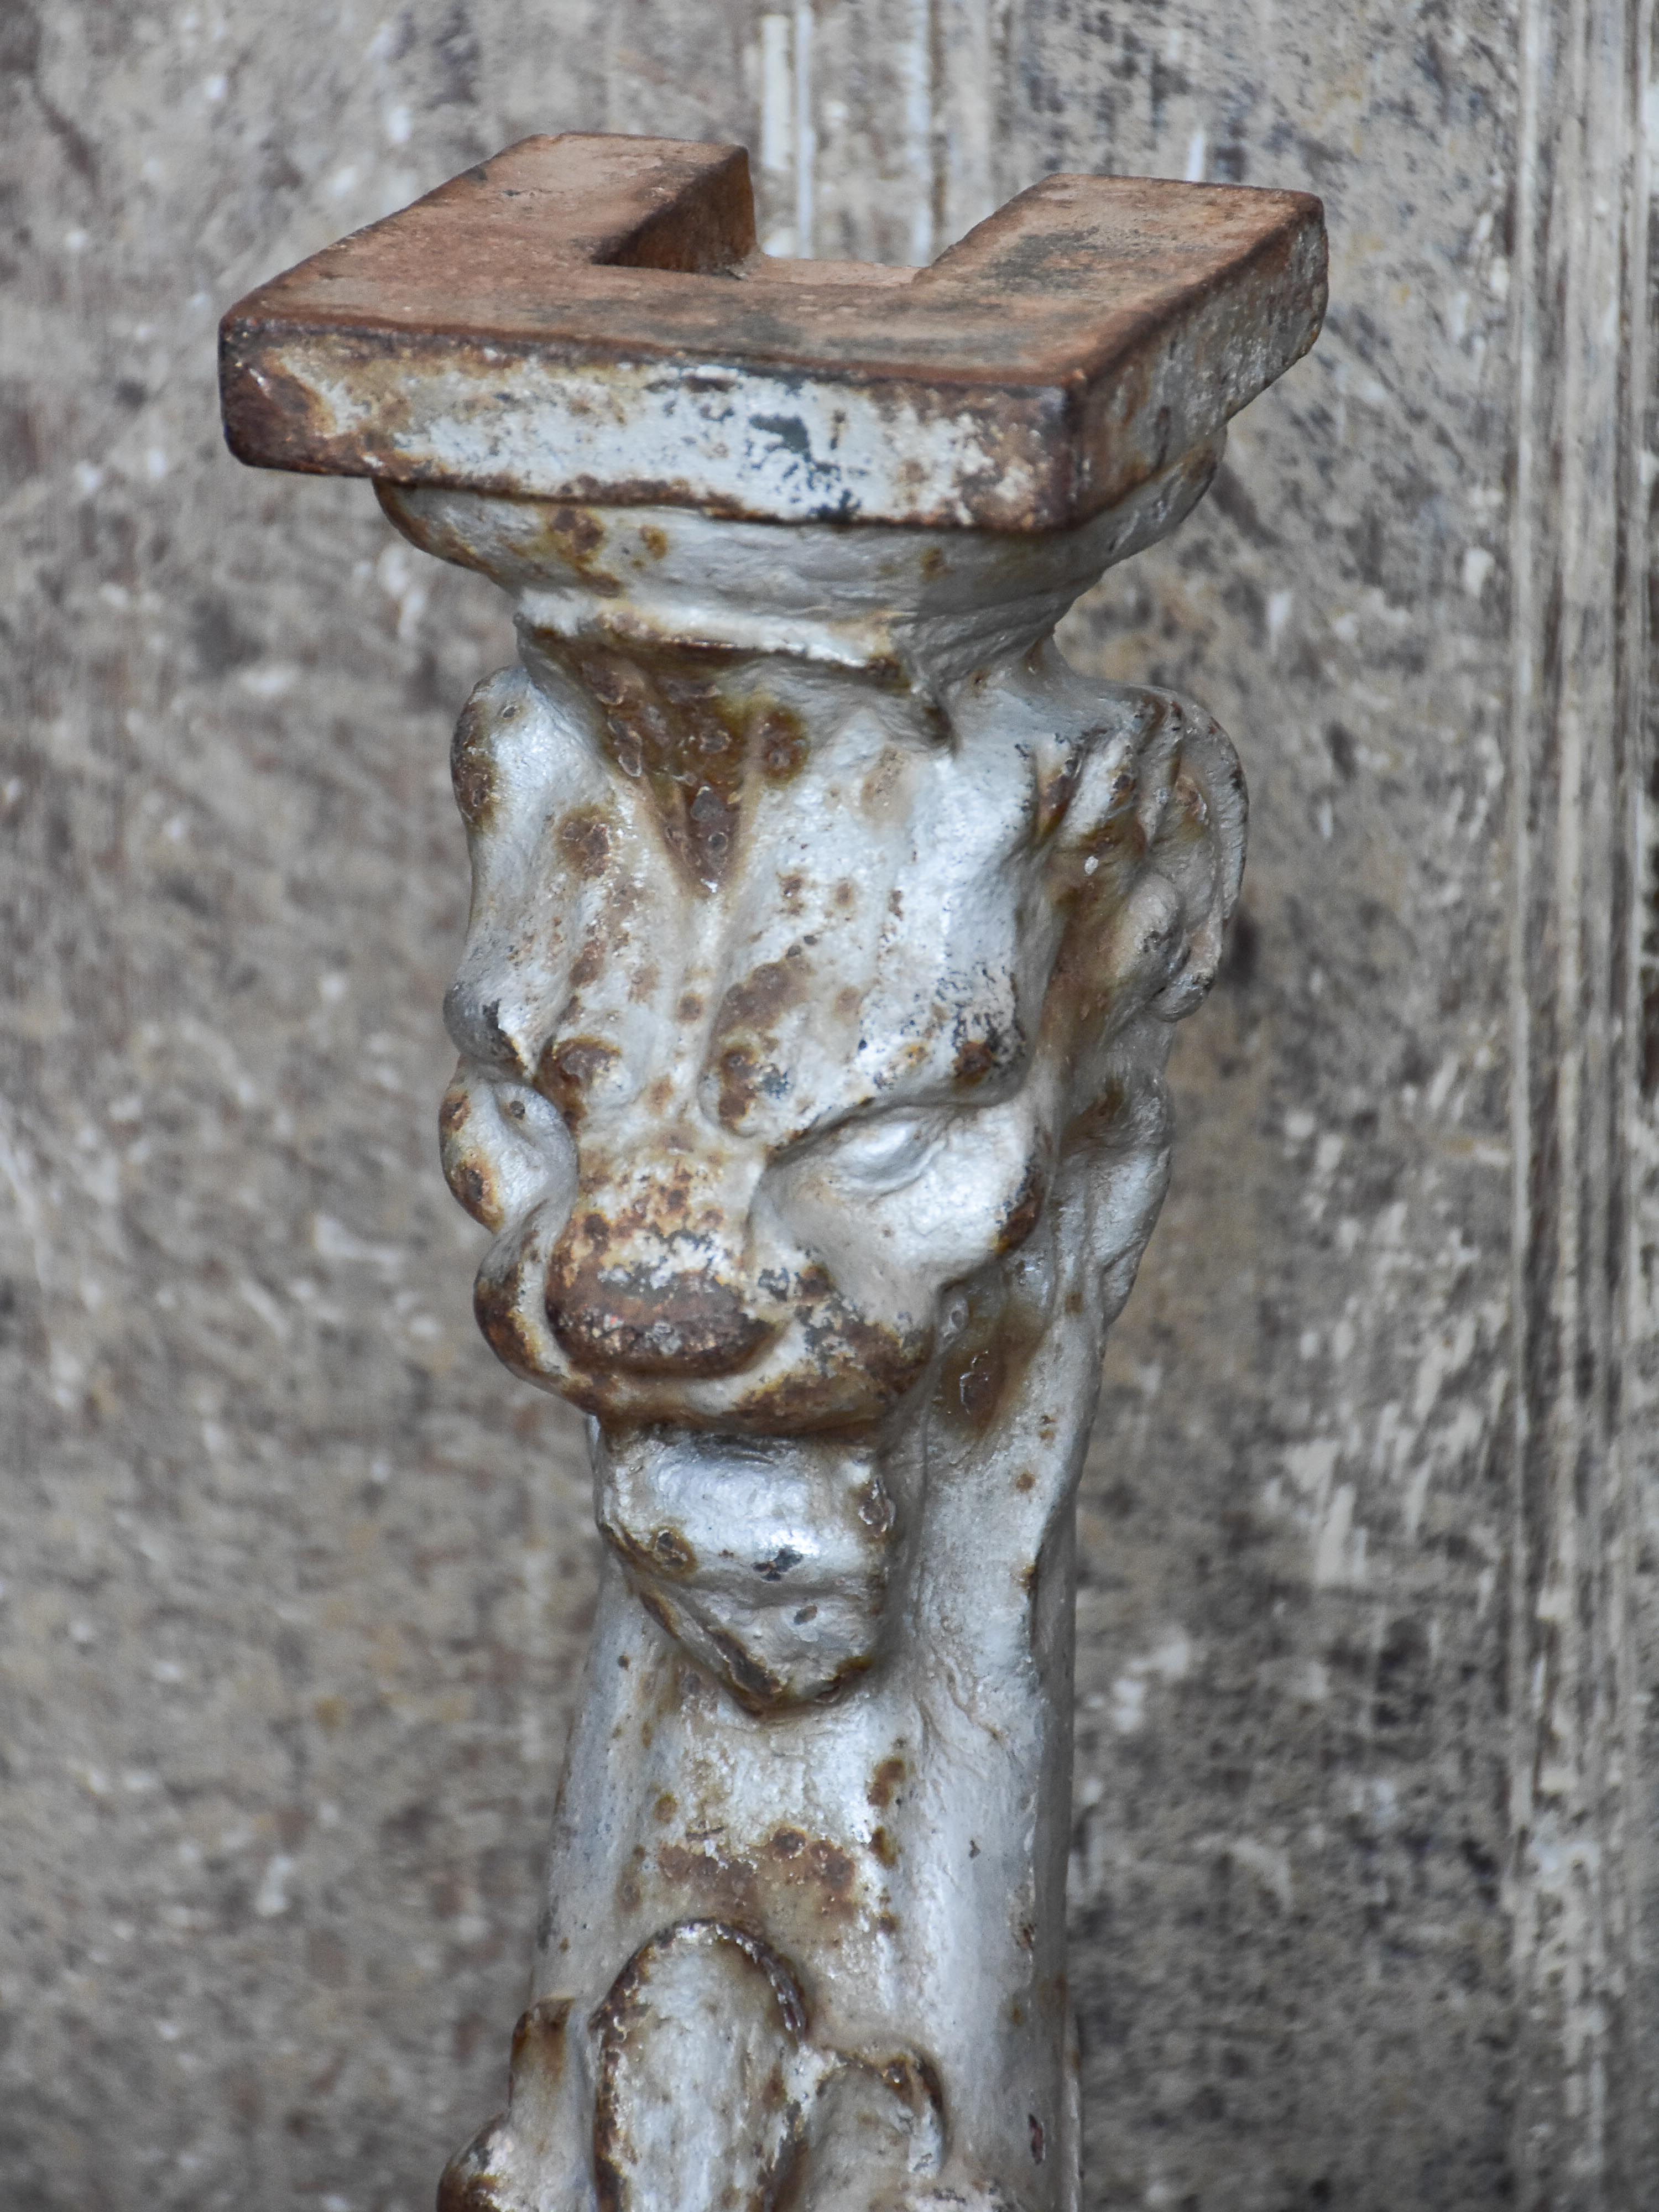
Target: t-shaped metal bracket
x=826 y=936
x=588 y=319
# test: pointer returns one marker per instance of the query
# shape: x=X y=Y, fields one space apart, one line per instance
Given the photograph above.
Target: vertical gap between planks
x=1577 y=660
x=1635 y=2161
x=806 y=136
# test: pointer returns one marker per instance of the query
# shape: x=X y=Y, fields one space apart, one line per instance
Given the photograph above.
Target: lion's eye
x=883 y=1154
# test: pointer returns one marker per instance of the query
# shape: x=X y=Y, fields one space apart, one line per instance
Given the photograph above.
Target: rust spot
x=884 y=1781
x=662 y=1613
x=665 y=1552
x=476 y=1194
x=1025 y=1481
x=875 y=1507
x=655 y=541
x=1024 y=1212
x=473 y=2181
x=578 y=533
x=816 y=1866
x=1187 y=822
x=844 y=896
x=470 y=2182
x=471 y=763
x=586 y=838
x=739 y=1085
x=845 y=1675
x=589 y=965
x=496 y=1307
x=889 y=1357
x=884 y=1847
x=764 y=991
x=671 y=1554
x=832 y=1867
x=573 y=534
x=861 y=1368
x=690 y=1006
x=720 y=1882
x=826 y=1871
x=982 y=1368
x=880 y=790
x=666 y=1807
x=976 y=1059
x=670 y=726
x=538 y=2042
x=1055 y=793
x=781 y=745
x=979 y=1386
x=613 y=1318
x=453 y=1113
x=754 y=1686
x=913 y=2078
x=569 y=1068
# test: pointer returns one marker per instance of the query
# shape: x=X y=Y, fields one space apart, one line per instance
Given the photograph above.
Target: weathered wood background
x=295 y=1579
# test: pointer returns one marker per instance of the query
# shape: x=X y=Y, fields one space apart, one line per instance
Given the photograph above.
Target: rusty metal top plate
x=588 y=318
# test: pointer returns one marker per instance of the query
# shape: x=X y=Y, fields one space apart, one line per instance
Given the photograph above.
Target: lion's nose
x=633 y=1313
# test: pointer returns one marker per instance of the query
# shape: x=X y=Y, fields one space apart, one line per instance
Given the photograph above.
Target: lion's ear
x=1148 y=860
x=1198 y=846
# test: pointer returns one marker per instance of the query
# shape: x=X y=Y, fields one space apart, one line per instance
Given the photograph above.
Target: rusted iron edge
x=965 y=446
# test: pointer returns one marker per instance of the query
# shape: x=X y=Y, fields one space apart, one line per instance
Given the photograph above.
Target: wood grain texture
x=1579 y=1840
x=295 y=1581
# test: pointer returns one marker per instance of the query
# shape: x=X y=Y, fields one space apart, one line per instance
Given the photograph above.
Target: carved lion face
x=812 y=1019
x=785 y=993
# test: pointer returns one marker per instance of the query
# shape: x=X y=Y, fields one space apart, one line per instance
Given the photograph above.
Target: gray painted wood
x=1365 y=1911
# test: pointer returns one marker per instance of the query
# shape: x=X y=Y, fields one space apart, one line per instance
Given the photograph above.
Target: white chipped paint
x=789 y=448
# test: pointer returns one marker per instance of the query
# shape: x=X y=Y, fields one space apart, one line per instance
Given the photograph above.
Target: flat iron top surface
x=588 y=318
